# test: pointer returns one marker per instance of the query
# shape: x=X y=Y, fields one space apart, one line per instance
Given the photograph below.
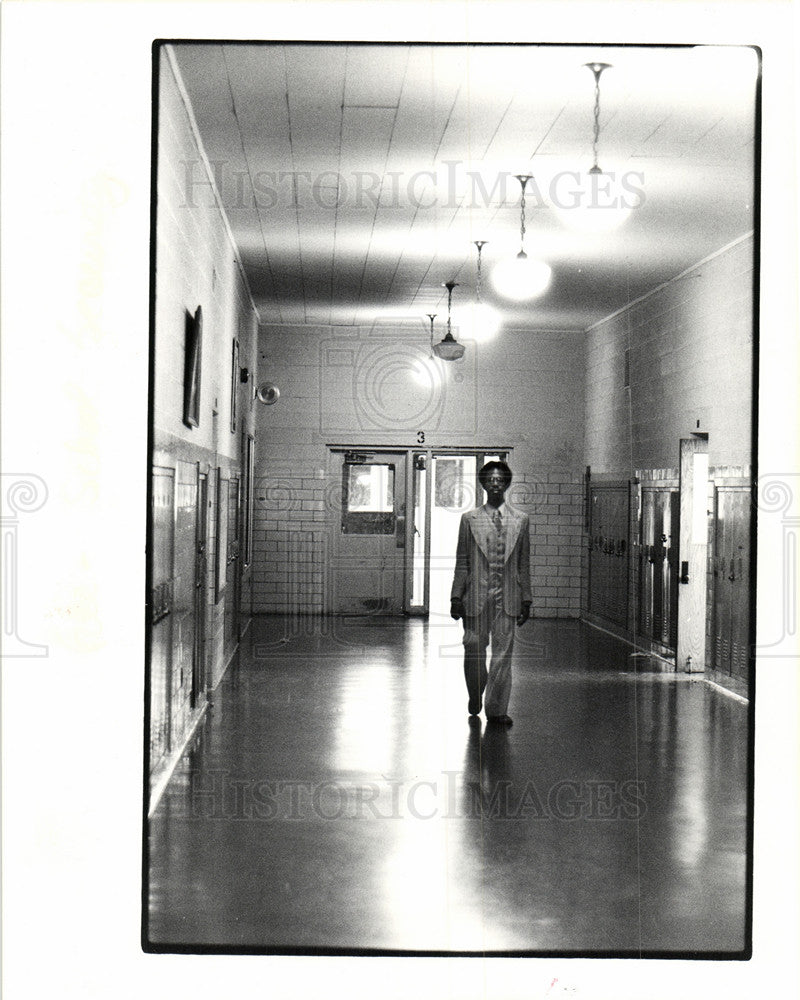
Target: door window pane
x=368 y=499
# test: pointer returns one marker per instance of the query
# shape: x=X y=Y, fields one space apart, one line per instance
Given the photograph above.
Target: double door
x=393 y=539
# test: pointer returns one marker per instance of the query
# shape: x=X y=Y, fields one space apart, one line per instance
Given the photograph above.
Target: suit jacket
x=471 y=579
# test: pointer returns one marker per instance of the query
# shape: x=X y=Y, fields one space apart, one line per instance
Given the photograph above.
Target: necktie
x=497 y=520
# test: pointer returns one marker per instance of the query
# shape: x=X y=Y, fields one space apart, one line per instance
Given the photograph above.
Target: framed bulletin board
x=192 y=367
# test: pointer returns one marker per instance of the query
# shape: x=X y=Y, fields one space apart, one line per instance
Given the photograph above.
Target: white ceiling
x=348 y=171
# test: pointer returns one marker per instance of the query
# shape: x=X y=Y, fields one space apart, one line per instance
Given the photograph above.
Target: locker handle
x=684 y=572
x=732 y=575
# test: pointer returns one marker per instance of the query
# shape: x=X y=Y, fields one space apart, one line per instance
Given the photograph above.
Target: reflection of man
x=491 y=591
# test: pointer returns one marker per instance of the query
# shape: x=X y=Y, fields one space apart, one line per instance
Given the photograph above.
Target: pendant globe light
x=448 y=349
x=597 y=202
x=521 y=277
x=428 y=372
x=479 y=321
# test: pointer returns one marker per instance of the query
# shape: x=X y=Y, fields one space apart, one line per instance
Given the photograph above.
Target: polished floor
x=336 y=797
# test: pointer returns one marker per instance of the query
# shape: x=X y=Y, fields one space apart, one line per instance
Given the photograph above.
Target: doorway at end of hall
x=395 y=541
x=445 y=486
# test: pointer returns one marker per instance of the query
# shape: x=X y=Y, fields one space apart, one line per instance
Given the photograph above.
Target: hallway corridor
x=336 y=797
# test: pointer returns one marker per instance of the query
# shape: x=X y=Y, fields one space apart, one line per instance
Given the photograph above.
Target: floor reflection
x=338 y=796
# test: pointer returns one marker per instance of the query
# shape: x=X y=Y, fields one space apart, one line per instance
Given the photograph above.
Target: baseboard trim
x=164 y=776
x=667 y=666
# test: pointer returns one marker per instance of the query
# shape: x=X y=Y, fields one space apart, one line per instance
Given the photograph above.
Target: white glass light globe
x=521 y=277
x=596 y=201
x=479 y=322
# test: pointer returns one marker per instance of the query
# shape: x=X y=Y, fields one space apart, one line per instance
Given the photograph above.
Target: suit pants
x=492 y=623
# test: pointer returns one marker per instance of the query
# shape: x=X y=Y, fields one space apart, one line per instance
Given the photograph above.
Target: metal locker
x=608 y=552
x=658 y=554
x=731 y=580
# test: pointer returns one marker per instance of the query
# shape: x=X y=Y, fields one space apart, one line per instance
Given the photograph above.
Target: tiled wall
x=360 y=387
x=691 y=347
x=296 y=509
x=554 y=502
x=196 y=265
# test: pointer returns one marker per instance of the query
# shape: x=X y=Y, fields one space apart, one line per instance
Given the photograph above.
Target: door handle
x=684 y=572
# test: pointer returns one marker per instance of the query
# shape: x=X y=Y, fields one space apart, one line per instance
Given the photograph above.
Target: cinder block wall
x=690 y=347
x=357 y=386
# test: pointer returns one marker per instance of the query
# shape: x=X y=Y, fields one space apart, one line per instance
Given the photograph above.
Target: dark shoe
x=500 y=720
x=474 y=707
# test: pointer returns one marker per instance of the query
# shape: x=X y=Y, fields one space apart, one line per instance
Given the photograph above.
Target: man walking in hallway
x=491 y=591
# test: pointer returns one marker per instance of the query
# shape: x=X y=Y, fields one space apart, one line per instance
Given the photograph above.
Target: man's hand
x=525 y=614
x=456 y=608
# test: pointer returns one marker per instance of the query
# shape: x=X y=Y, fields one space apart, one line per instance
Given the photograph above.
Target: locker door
x=738 y=506
x=658 y=580
x=658 y=557
x=184 y=619
x=161 y=608
x=617 y=553
x=673 y=528
x=646 y=562
x=200 y=592
x=608 y=559
x=233 y=578
x=722 y=590
x=732 y=581
x=740 y=602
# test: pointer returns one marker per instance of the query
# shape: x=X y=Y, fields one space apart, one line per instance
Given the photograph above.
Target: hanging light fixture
x=597 y=69
x=448 y=349
x=431 y=317
x=479 y=321
x=521 y=277
x=597 y=201
x=428 y=372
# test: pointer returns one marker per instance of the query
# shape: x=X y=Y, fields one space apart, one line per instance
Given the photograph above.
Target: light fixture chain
x=597 y=69
x=449 y=300
x=523 y=180
x=596 y=116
